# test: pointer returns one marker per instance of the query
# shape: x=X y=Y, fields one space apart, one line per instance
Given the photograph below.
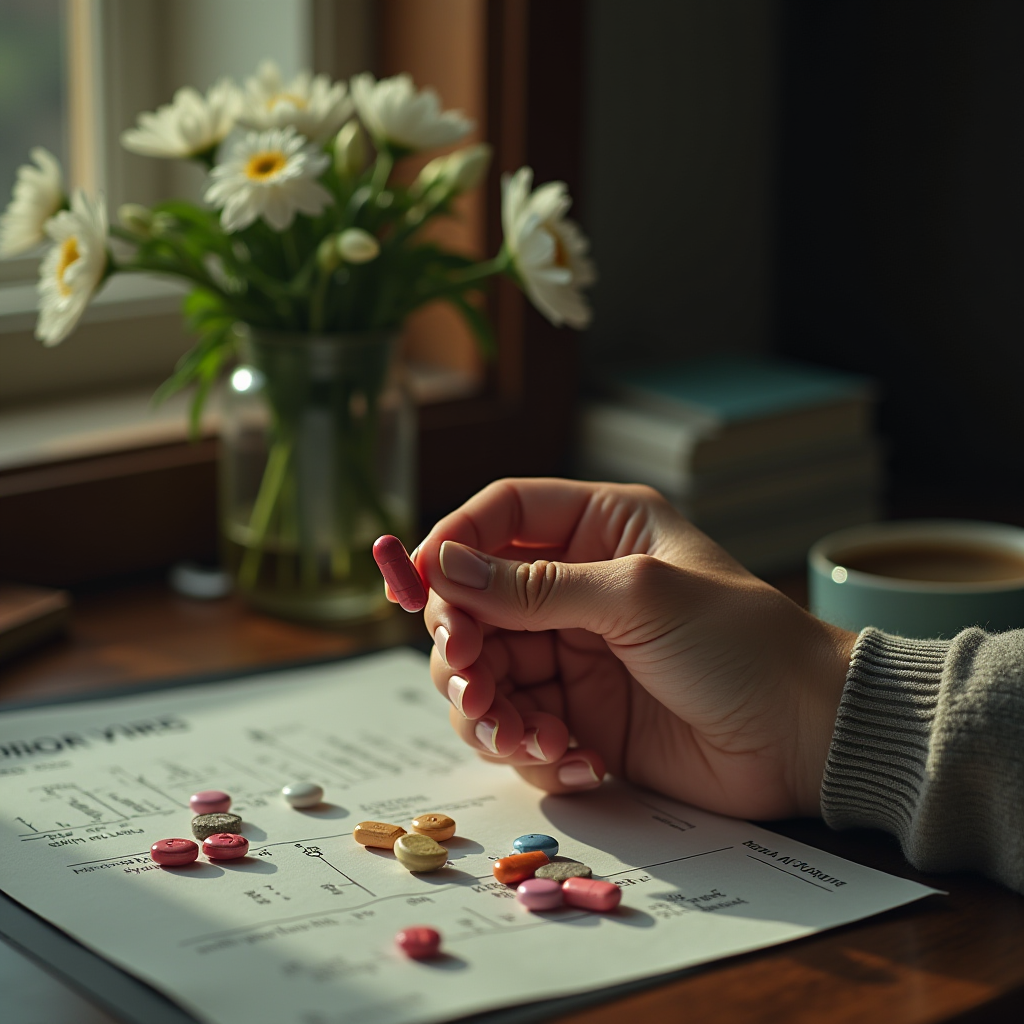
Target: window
x=143 y=510
x=32 y=93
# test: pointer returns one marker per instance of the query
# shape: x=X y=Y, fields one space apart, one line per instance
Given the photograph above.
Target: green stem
x=317 y=301
x=487 y=268
x=461 y=281
x=381 y=172
x=291 y=253
x=263 y=509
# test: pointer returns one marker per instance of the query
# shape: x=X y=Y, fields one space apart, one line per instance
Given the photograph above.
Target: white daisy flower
x=548 y=250
x=71 y=271
x=395 y=113
x=189 y=125
x=312 y=106
x=38 y=195
x=272 y=175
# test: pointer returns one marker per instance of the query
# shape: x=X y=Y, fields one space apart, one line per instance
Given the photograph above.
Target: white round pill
x=303 y=794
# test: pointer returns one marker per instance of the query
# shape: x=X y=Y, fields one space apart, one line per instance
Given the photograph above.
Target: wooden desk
x=958 y=958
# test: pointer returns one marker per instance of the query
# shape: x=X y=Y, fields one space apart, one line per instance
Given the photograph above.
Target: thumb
x=596 y=596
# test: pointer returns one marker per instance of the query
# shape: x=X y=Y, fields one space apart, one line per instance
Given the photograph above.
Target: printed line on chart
x=799 y=878
x=51 y=833
x=92 y=796
x=259 y=736
x=662 y=863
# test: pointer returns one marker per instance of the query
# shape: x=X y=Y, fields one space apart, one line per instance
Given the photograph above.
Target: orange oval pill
x=518 y=867
x=377 y=833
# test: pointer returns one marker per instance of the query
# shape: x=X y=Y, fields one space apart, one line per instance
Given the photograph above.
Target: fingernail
x=456 y=689
x=532 y=746
x=441 y=636
x=578 y=774
x=464 y=566
x=415 y=551
x=486 y=733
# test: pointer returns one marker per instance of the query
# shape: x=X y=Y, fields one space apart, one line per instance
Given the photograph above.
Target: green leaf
x=209 y=370
x=478 y=323
x=202 y=361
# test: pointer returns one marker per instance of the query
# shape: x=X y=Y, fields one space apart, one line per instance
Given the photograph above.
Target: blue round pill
x=534 y=842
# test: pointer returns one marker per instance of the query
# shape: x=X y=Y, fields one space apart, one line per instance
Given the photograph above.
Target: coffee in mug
x=922 y=578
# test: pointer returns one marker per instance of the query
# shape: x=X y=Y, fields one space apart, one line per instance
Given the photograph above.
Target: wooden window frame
x=90 y=519
x=522 y=425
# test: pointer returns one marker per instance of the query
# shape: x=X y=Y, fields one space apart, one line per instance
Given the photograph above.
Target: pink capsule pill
x=209 y=801
x=225 y=846
x=418 y=942
x=591 y=894
x=540 y=894
x=173 y=852
x=399 y=573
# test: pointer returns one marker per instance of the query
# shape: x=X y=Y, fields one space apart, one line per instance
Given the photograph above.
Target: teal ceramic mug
x=924 y=578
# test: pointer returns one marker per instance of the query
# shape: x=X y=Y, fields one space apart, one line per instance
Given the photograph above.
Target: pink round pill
x=419 y=942
x=225 y=846
x=209 y=801
x=173 y=852
x=591 y=894
x=540 y=894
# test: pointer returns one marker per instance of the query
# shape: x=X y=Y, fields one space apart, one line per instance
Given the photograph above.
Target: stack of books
x=764 y=455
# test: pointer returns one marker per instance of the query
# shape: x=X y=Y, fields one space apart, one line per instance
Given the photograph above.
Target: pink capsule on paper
x=209 y=801
x=400 y=573
x=225 y=846
x=172 y=853
x=591 y=894
x=539 y=894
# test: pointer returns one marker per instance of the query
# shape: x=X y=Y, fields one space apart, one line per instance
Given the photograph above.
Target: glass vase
x=317 y=460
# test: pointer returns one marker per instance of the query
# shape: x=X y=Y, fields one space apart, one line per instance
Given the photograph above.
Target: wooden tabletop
x=957 y=957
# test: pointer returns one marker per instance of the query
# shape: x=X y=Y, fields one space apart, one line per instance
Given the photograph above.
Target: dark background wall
x=841 y=182
x=680 y=174
x=900 y=240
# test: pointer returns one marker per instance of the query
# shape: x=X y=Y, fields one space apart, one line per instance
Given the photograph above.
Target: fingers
x=575 y=519
x=457 y=636
x=470 y=690
x=580 y=769
x=602 y=597
x=498 y=732
x=529 y=511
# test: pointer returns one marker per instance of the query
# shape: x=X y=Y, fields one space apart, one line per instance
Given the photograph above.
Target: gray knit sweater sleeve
x=929 y=745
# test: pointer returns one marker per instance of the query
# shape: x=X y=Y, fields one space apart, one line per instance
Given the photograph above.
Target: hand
x=580 y=627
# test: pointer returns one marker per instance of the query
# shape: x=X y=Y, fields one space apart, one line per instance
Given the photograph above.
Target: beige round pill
x=438 y=826
x=377 y=833
x=420 y=853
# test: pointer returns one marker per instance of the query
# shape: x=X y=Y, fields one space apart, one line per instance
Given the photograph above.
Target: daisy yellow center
x=280 y=98
x=265 y=165
x=561 y=253
x=68 y=254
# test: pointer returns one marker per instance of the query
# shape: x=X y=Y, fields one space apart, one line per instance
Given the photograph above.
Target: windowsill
x=124 y=296
x=127 y=420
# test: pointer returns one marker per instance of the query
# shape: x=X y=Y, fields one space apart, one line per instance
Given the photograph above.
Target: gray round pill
x=303 y=794
x=206 y=825
x=560 y=870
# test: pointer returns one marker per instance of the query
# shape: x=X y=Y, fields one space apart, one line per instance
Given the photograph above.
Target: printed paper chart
x=302 y=930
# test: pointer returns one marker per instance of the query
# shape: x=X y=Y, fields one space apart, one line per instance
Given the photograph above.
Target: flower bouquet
x=305 y=261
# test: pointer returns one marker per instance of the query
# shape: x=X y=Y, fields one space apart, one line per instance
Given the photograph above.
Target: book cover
x=716 y=392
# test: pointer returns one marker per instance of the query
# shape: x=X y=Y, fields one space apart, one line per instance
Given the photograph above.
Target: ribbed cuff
x=876 y=764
